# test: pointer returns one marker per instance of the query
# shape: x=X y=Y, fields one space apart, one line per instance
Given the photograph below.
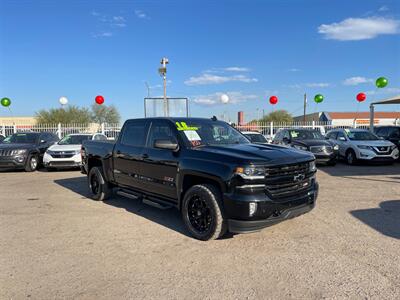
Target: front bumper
x=72 y=162
x=269 y=212
x=325 y=158
x=369 y=155
x=12 y=162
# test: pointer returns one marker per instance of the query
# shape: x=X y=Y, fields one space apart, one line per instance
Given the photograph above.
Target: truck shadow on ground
x=384 y=219
x=170 y=218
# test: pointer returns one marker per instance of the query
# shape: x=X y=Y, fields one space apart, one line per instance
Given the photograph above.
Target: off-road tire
x=210 y=196
x=99 y=189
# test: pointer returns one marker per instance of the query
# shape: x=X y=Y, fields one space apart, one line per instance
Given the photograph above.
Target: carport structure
x=393 y=100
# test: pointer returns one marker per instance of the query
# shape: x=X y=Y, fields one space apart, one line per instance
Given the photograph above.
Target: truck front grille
x=321 y=149
x=285 y=182
x=62 y=154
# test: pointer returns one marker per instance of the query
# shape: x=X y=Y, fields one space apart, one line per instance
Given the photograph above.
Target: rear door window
x=135 y=133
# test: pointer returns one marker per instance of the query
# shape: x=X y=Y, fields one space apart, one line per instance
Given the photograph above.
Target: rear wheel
x=202 y=212
x=99 y=188
x=351 y=158
x=32 y=163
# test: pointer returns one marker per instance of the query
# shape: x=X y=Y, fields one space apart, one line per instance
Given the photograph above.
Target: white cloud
x=103 y=34
x=217 y=79
x=215 y=99
x=236 y=69
x=383 y=8
x=356 y=80
x=354 y=29
x=294 y=70
x=383 y=91
x=140 y=14
x=318 y=85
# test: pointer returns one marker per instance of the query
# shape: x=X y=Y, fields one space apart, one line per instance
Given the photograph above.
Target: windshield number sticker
x=192 y=135
x=294 y=134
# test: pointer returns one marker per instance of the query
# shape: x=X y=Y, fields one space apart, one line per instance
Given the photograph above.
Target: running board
x=149 y=201
x=156 y=204
x=128 y=195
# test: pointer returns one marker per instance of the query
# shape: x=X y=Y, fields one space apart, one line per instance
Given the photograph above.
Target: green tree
x=278 y=116
x=68 y=115
x=105 y=114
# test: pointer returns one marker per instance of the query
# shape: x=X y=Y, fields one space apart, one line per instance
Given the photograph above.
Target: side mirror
x=166 y=144
x=342 y=138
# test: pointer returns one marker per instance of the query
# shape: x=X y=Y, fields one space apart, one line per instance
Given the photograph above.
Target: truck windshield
x=202 y=132
x=21 y=138
x=74 y=139
x=256 y=138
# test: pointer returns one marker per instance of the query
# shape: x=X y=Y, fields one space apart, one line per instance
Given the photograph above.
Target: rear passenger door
x=128 y=151
x=160 y=166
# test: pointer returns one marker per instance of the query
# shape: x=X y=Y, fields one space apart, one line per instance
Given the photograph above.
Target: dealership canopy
x=393 y=100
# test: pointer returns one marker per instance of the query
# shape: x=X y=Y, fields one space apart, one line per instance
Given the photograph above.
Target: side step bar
x=157 y=203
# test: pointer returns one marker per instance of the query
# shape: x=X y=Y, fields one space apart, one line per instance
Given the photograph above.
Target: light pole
x=163 y=73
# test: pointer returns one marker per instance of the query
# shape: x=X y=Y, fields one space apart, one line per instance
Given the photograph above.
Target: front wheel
x=202 y=214
x=351 y=158
x=99 y=188
x=32 y=163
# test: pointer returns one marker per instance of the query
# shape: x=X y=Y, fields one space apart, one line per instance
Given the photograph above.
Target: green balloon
x=381 y=82
x=5 y=102
x=318 y=98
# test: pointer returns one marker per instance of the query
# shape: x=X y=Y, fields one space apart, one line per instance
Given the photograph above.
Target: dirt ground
x=57 y=243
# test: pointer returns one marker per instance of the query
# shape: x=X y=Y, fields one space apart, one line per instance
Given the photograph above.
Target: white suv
x=361 y=144
x=67 y=152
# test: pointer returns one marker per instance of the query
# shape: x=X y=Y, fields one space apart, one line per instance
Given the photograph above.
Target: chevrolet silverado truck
x=205 y=168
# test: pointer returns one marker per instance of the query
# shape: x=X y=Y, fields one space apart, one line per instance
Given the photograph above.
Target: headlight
x=364 y=147
x=18 y=152
x=251 y=172
x=77 y=152
x=336 y=147
x=304 y=148
x=49 y=152
x=312 y=166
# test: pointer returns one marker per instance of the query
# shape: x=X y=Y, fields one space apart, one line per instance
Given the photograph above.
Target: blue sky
x=249 y=50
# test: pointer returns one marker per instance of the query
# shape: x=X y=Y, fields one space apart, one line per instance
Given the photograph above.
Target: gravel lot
x=57 y=243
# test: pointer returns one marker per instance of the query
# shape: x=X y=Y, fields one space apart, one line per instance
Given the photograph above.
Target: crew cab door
x=160 y=166
x=127 y=155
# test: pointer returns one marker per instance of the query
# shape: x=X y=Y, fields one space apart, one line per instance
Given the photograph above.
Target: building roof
x=363 y=115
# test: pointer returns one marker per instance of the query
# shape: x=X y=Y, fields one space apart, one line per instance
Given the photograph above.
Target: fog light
x=19 y=159
x=252 y=208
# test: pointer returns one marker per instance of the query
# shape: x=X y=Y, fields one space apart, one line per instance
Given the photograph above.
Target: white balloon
x=63 y=100
x=224 y=98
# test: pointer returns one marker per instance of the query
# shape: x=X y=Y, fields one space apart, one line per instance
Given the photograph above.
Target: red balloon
x=361 y=97
x=99 y=100
x=273 y=100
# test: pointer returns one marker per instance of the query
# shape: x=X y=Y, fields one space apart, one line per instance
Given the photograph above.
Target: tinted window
x=160 y=131
x=22 y=138
x=99 y=137
x=382 y=131
x=332 y=135
x=340 y=134
x=394 y=132
x=74 y=139
x=134 y=133
x=305 y=134
x=256 y=138
x=286 y=135
x=361 y=136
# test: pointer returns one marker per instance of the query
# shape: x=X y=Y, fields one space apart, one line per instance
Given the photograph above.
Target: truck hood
x=17 y=146
x=57 y=147
x=257 y=154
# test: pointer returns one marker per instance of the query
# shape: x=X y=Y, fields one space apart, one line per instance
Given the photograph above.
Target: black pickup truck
x=205 y=168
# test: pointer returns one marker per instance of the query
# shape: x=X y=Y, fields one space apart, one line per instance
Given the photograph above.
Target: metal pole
x=305 y=106
x=371 y=118
x=166 y=108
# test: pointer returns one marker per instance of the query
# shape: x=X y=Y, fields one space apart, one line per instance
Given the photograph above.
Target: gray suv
x=362 y=145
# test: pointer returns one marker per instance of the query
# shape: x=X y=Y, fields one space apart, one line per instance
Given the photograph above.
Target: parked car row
x=29 y=150
x=353 y=145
